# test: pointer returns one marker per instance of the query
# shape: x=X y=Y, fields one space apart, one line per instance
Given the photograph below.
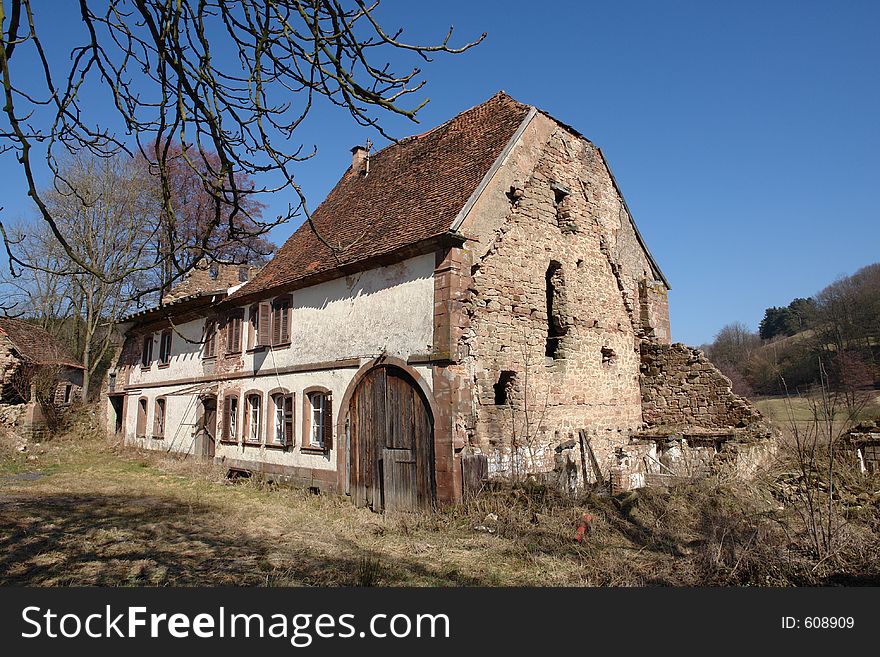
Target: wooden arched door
x=391 y=454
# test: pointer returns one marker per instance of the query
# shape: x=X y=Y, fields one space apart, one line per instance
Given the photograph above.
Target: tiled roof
x=413 y=191
x=36 y=345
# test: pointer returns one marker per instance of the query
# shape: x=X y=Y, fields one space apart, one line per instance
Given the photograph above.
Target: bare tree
x=230 y=81
x=104 y=208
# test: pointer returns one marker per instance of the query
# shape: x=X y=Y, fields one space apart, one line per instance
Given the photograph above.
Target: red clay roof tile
x=36 y=345
x=413 y=191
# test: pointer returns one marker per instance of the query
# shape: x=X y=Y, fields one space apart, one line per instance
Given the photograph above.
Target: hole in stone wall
x=514 y=194
x=608 y=355
x=561 y=197
x=580 y=263
x=557 y=325
x=504 y=387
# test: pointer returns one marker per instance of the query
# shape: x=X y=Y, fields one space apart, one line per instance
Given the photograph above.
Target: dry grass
x=87 y=512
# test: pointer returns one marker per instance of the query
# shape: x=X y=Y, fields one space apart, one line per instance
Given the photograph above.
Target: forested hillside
x=833 y=336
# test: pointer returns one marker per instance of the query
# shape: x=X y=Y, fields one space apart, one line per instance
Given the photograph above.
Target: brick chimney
x=360 y=160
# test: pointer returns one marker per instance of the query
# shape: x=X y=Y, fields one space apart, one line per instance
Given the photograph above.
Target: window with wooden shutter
x=254 y=418
x=317 y=419
x=264 y=325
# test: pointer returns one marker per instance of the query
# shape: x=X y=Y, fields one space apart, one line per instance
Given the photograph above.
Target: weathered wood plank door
x=209 y=426
x=391 y=458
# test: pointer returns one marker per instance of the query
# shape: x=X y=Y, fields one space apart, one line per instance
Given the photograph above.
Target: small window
x=243 y=274
x=159 y=419
x=214 y=271
x=165 y=348
x=230 y=419
x=68 y=393
x=254 y=418
x=210 y=349
x=147 y=351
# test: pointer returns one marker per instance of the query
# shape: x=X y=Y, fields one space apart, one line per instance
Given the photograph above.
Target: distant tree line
x=839 y=327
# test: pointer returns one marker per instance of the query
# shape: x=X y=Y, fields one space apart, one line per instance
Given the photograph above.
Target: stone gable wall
x=562 y=210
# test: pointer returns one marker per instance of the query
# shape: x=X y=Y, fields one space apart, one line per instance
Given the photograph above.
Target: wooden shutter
x=276 y=322
x=328 y=422
x=263 y=325
x=141 y=428
x=288 y=420
x=236 y=332
x=224 y=423
x=284 y=329
x=210 y=335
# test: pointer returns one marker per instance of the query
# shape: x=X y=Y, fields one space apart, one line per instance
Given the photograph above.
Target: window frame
x=326 y=441
x=247 y=425
x=227 y=435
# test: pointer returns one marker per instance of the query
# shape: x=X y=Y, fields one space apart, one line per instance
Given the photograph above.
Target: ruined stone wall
x=8 y=365
x=682 y=388
x=561 y=265
x=207 y=277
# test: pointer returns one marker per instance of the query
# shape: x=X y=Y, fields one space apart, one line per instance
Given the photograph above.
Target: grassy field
x=79 y=510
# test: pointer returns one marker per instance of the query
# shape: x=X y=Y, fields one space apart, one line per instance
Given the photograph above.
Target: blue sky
x=744 y=135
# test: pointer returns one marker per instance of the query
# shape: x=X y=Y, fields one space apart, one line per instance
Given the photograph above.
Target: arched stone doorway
x=390 y=449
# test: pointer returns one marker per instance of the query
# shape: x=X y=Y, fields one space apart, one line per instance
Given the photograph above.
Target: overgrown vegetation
x=85 y=512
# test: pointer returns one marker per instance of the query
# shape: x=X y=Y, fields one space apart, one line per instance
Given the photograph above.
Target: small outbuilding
x=38 y=376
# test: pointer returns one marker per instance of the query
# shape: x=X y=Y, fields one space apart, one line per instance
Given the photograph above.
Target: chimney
x=360 y=158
